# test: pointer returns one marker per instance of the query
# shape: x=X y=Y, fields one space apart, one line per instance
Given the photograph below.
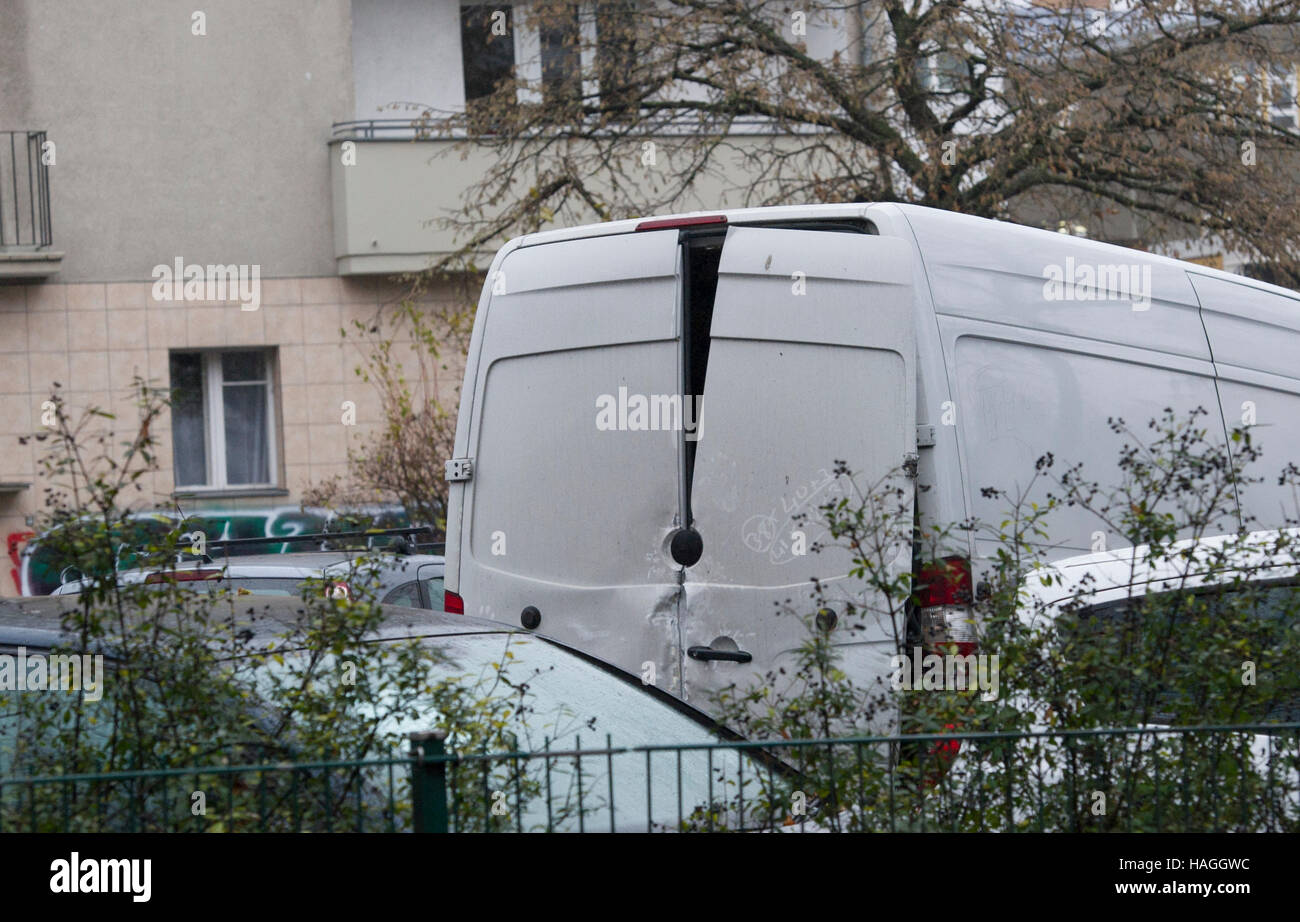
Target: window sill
x=227 y=492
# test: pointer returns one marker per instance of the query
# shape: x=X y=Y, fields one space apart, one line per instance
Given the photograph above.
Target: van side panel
x=1047 y=337
x=941 y=495
x=1255 y=336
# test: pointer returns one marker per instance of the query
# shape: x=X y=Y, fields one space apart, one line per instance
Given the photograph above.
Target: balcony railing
x=432 y=128
x=24 y=191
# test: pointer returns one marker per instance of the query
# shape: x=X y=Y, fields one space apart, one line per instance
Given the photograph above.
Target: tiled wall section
x=93 y=338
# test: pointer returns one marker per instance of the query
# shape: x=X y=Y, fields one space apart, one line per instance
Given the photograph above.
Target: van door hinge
x=459 y=469
x=925 y=435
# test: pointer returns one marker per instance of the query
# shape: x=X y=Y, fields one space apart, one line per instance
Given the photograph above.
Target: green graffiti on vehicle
x=43 y=570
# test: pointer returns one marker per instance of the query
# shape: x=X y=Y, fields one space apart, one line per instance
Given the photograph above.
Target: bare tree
x=1168 y=112
x=403 y=457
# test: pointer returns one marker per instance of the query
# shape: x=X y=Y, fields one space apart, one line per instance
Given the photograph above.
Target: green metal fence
x=1230 y=778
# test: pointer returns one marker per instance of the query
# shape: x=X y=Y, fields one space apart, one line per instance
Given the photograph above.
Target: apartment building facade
x=204 y=198
x=168 y=216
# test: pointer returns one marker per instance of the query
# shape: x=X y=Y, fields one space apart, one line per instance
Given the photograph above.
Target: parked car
x=410 y=580
x=1109 y=593
x=1222 y=575
x=574 y=702
x=694 y=378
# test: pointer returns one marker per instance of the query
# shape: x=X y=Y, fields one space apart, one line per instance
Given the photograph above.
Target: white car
x=1202 y=564
x=1101 y=586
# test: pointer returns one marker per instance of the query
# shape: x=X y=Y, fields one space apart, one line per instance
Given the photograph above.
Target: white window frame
x=1288 y=78
x=214 y=421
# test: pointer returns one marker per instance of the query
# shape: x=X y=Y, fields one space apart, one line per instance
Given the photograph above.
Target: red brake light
x=944 y=598
x=452 y=603
x=944 y=582
x=666 y=223
x=939 y=757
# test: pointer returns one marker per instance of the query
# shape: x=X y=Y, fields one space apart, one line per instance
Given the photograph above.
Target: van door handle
x=708 y=653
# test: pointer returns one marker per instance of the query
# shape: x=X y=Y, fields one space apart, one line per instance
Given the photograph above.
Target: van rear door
x=811 y=360
x=572 y=494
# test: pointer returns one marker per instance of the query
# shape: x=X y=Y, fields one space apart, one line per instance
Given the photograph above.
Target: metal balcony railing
x=433 y=128
x=24 y=191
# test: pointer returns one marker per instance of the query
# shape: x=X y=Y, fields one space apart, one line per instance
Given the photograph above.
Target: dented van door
x=811 y=361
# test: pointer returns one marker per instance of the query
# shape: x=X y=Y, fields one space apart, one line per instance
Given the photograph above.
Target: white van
x=586 y=503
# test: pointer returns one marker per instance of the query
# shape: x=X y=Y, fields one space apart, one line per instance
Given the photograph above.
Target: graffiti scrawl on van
x=774 y=534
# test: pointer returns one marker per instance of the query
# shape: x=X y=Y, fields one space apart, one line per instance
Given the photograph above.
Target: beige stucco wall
x=93 y=338
x=167 y=143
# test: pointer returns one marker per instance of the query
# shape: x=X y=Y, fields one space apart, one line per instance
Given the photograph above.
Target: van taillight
x=944 y=582
x=452 y=603
x=944 y=598
x=666 y=223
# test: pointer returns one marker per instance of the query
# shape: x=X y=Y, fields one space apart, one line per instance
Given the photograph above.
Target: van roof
x=918 y=216
x=733 y=216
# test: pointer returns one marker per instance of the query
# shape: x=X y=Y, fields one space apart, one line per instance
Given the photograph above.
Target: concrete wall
x=406 y=51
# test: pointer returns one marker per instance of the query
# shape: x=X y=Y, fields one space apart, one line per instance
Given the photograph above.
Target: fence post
x=429 y=781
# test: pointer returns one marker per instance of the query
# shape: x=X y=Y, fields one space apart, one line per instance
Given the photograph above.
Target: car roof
x=394 y=561
x=1194 y=562
x=307 y=560
x=37 y=620
x=292 y=565
x=319 y=560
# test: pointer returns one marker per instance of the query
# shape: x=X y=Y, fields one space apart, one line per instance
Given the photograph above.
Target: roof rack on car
x=327 y=540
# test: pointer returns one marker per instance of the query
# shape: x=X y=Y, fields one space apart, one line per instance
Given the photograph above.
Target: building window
x=616 y=56
x=223 y=415
x=1281 y=89
x=561 y=65
x=1275 y=87
x=487 y=48
x=942 y=73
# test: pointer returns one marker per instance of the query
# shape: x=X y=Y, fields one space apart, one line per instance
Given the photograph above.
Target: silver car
x=409 y=580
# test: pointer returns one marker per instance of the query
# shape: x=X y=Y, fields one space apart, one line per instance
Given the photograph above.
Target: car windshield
x=556 y=703
x=572 y=705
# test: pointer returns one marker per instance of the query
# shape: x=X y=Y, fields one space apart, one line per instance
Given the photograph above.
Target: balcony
x=391 y=187
x=26 y=238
